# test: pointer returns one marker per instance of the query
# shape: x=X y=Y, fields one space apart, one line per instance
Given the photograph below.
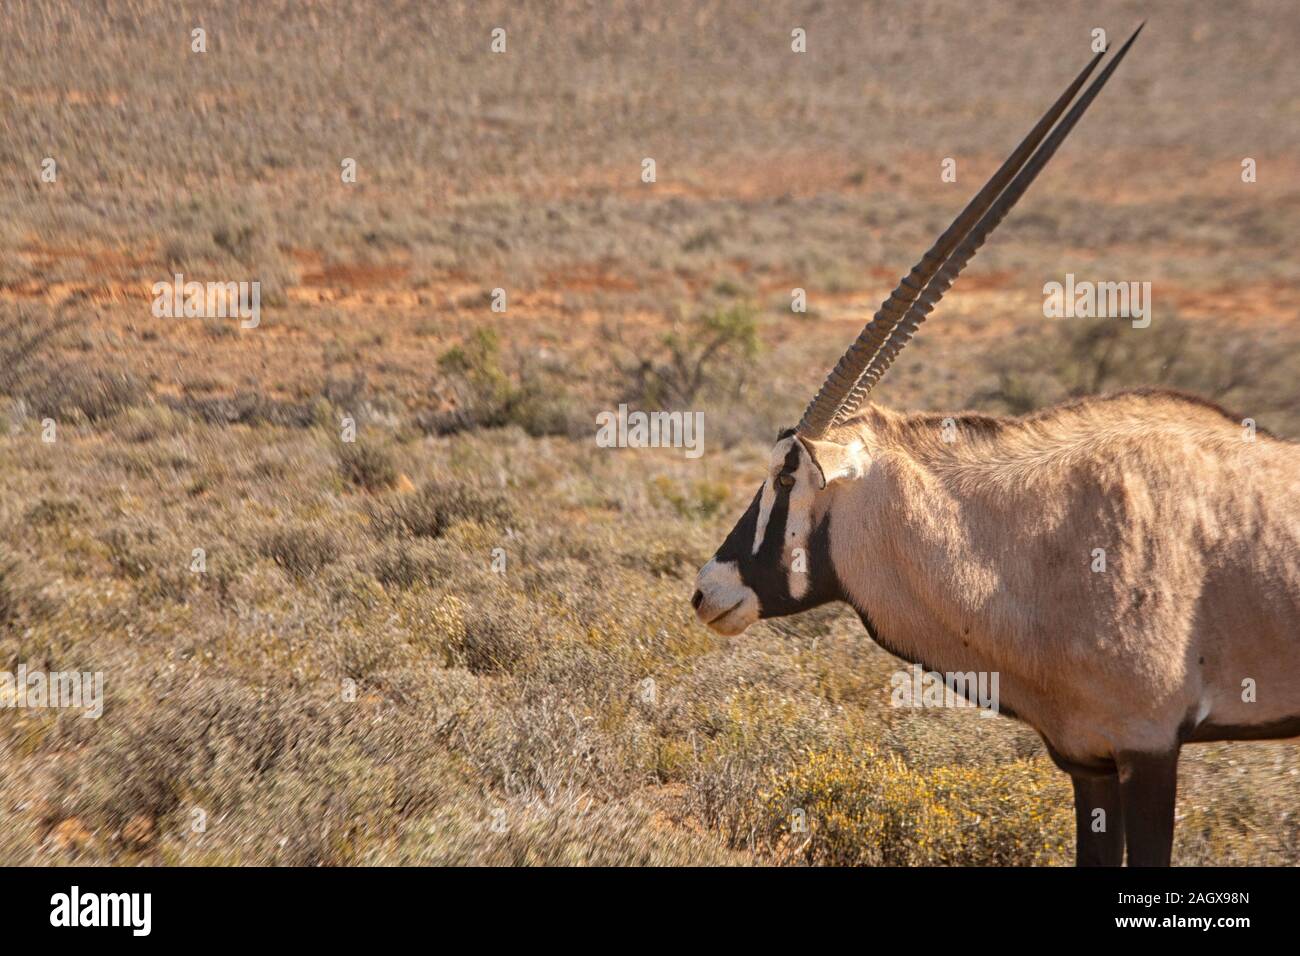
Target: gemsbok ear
x=836 y=462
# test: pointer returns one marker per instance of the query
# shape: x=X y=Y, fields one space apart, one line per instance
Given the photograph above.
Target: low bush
x=434 y=508
x=368 y=466
x=302 y=551
x=867 y=808
x=483 y=394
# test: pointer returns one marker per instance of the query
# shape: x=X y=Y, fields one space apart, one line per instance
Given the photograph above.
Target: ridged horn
x=947 y=275
x=844 y=381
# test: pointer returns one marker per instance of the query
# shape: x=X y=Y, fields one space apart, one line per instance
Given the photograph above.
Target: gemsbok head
x=969 y=545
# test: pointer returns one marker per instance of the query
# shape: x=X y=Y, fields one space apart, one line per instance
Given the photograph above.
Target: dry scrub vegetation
x=350 y=680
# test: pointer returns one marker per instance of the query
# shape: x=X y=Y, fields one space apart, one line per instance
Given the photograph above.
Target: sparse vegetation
x=367 y=466
x=872 y=809
x=713 y=351
x=472 y=615
x=435 y=507
x=1258 y=375
x=485 y=395
x=8 y=600
x=301 y=551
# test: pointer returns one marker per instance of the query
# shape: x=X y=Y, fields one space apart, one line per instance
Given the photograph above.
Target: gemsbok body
x=1129 y=565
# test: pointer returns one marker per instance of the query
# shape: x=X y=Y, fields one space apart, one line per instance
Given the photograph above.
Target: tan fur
x=976 y=554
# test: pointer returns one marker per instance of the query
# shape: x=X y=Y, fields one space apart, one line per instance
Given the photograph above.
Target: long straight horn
x=823 y=409
x=944 y=279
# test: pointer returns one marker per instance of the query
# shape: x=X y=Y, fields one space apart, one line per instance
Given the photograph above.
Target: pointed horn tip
x=819 y=429
x=1132 y=36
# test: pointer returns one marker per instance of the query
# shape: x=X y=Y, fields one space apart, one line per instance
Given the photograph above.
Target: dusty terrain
x=349 y=679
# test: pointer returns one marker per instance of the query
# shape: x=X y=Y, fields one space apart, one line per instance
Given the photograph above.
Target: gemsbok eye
x=785 y=481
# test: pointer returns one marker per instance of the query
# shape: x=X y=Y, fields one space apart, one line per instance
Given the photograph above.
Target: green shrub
x=487 y=396
x=710 y=354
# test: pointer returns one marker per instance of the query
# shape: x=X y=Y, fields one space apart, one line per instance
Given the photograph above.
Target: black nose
x=697 y=600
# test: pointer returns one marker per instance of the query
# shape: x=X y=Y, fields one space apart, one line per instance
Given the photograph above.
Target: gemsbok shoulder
x=968 y=543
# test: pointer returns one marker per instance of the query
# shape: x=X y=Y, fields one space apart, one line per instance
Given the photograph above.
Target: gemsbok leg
x=1099 y=836
x=1148 y=783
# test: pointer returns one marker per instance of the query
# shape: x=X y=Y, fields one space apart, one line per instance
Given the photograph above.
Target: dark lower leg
x=1098 y=821
x=1148 y=783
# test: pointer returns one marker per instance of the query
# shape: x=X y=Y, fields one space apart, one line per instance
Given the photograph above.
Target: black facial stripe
x=769 y=552
x=763 y=573
x=738 y=544
x=768 y=579
x=791 y=463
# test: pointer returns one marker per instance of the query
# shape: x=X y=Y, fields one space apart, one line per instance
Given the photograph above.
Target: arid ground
x=466 y=637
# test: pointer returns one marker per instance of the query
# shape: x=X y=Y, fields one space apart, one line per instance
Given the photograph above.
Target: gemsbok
x=967 y=543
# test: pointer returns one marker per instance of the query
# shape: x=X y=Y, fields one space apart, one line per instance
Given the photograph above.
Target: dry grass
x=354 y=676
x=351 y=681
